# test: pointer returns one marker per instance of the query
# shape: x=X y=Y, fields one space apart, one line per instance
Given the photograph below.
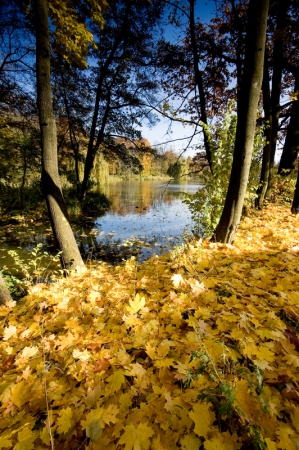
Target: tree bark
x=63 y=234
x=199 y=85
x=239 y=28
x=4 y=292
x=281 y=18
x=291 y=145
x=261 y=192
x=247 y=112
x=295 y=205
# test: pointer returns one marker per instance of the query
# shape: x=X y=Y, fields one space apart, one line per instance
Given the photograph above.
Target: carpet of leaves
x=197 y=349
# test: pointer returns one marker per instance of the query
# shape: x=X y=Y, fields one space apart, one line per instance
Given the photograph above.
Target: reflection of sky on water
x=144 y=211
x=163 y=219
x=145 y=219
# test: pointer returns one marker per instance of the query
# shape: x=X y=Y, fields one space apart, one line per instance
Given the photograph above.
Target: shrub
x=207 y=203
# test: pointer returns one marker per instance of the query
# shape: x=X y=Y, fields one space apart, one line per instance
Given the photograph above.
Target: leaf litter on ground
x=194 y=349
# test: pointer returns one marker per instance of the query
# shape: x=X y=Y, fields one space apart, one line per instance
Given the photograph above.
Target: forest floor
x=197 y=349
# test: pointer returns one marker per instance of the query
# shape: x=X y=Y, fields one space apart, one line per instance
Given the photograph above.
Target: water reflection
x=137 y=197
x=145 y=218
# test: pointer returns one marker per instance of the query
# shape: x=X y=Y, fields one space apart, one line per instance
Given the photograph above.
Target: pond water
x=145 y=218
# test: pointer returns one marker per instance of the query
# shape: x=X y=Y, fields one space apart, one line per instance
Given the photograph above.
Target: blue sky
x=161 y=132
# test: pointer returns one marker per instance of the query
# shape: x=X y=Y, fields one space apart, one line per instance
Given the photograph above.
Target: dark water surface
x=145 y=218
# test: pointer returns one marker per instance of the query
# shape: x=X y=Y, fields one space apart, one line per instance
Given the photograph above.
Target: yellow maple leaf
x=115 y=381
x=21 y=394
x=177 y=280
x=109 y=414
x=93 y=416
x=65 y=341
x=9 y=331
x=26 y=439
x=215 y=444
x=169 y=405
x=136 y=370
x=83 y=356
x=203 y=417
x=136 y=304
x=26 y=373
x=44 y=435
x=26 y=354
x=196 y=287
x=265 y=354
x=248 y=405
x=156 y=444
x=65 y=421
x=190 y=442
x=221 y=441
x=291 y=360
x=136 y=438
x=294 y=413
x=270 y=444
x=5 y=442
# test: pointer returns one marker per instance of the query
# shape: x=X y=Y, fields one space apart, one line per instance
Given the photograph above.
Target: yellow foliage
x=71 y=31
x=117 y=357
x=203 y=418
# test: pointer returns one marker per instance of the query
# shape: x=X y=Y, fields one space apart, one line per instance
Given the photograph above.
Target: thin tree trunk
x=4 y=292
x=91 y=153
x=247 y=112
x=295 y=205
x=281 y=18
x=24 y=174
x=63 y=234
x=73 y=140
x=239 y=64
x=268 y=133
x=199 y=85
x=291 y=145
x=92 y=146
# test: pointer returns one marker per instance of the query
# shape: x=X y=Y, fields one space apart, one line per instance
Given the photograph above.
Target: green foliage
x=41 y=267
x=284 y=187
x=16 y=199
x=19 y=166
x=95 y=203
x=12 y=283
x=257 y=439
x=177 y=169
x=207 y=203
x=223 y=397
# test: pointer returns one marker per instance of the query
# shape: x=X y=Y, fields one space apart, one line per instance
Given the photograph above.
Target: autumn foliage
x=195 y=349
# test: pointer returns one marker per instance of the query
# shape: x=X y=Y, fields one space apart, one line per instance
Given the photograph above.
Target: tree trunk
x=281 y=18
x=63 y=234
x=73 y=140
x=4 y=292
x=94 y=142
x=295 y=205
x=239 y=45
x=291 y=145
x=261 y=192
x=199 y=85
x=92 y=151
x=247 y=112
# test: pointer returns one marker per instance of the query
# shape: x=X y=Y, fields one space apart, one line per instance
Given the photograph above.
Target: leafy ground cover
x=197 y=349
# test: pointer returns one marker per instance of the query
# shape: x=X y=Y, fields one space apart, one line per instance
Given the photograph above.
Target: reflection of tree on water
x=124 y=231
x=138 y=197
